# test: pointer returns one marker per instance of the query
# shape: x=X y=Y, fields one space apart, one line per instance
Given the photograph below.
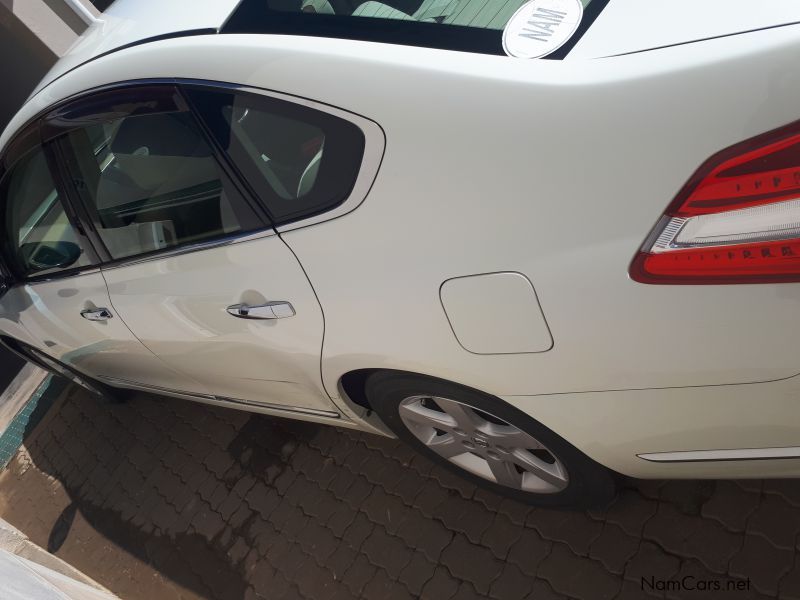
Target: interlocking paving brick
x=357 y=492
x=693 y=536
x=631 y=510
x=463 y=516
x=429 y=537
x=512 y=584
x=466 y=591
x=790 y=584
x=359 y=574
x=430 y=496
x=651 y=561
x=543 y=591
x=762 y=563
x=731 y=505
x=174 y=499
x=340 y=520
x=387 y=552
x=381 y=586
x=441 y=586
x=406 y=486
x=472 y=563
x=358 y=531
x=501 y=535
x=788 y=488
x=634 y=591
x=384 y=509
x=577 y=530
x=417 y=573
x=578 y=577
x=529 y=551
x=318 y=541
x=262 y=499
x=614 y=548
x=776 y=520
x=687 y=495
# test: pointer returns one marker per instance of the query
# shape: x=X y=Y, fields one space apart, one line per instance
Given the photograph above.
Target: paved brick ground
x=169 y=499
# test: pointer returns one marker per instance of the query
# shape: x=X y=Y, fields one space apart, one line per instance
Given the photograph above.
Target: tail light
x=737 y=220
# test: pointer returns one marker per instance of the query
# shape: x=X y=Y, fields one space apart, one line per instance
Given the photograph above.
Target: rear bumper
x=615 y=428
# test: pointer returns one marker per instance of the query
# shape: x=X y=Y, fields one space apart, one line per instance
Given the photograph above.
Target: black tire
x=100 y=391
x=589 y=483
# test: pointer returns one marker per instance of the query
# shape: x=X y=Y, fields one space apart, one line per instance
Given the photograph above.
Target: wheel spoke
x=446 y=446
x=505 y=473
x=549 y=473
x=417 y=413
x=466 y=418
x=511 y=437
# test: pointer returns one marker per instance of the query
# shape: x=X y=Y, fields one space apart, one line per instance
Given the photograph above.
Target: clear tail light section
x=737 y=220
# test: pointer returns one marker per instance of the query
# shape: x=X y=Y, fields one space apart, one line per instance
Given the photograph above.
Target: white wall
x=33 y=34
x=23 y=62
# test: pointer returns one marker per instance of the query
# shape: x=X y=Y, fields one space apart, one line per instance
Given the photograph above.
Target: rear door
x=59 y=305
x=195 y=268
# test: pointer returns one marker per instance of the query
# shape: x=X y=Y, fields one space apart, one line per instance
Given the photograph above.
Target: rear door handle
x=96 y=314
x=270 y=310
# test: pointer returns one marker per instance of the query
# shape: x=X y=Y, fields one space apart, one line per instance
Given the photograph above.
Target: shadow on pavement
x=160 y=498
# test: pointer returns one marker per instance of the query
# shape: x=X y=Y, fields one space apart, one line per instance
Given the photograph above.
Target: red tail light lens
x=737 y=220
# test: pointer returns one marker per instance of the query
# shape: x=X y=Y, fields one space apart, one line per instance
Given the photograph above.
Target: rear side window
x=480 y=14
x=465 y=25
x=299 y=161
x=38 y=238
x=151 y=182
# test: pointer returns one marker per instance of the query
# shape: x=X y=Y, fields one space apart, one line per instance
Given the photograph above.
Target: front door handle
x=270 y=310
x=96 y=314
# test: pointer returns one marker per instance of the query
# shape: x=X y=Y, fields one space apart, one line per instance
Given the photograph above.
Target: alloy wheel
x=483 y=444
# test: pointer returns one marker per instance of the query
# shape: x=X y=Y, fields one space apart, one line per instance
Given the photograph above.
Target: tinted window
x=480 y=14
x=38 y=237
x=299 y=161
x=464 y=25
x=151 y=182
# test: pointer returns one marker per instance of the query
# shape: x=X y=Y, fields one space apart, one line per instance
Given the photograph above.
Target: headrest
x=166 y=134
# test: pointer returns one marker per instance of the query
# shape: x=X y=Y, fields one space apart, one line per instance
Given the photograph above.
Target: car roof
x=128 y=22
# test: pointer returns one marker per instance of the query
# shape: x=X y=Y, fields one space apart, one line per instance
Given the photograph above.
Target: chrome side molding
x=723 y=455
x=233 y=401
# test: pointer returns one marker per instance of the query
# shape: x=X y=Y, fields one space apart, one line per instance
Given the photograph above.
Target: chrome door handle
x=270 y=310
x=96 y=314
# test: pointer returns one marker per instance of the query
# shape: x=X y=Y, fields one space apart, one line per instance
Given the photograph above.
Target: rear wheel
x=489 y=442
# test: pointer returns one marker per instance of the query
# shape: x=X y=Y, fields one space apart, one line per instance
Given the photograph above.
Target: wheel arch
x=353 y=385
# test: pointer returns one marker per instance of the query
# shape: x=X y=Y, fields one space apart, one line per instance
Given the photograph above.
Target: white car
x=459 y=222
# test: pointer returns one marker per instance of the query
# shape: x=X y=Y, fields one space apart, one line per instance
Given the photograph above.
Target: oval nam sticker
x=540 y=27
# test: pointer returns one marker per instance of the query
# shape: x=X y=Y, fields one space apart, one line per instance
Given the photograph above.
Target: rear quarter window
x=299 y=161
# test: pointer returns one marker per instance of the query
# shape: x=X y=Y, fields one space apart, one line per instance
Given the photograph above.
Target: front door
x=59 y=305
x=193 y=268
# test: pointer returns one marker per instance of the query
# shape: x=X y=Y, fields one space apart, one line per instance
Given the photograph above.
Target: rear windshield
x=467 y=25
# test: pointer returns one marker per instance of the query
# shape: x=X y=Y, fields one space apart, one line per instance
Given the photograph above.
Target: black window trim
x=371 y=161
